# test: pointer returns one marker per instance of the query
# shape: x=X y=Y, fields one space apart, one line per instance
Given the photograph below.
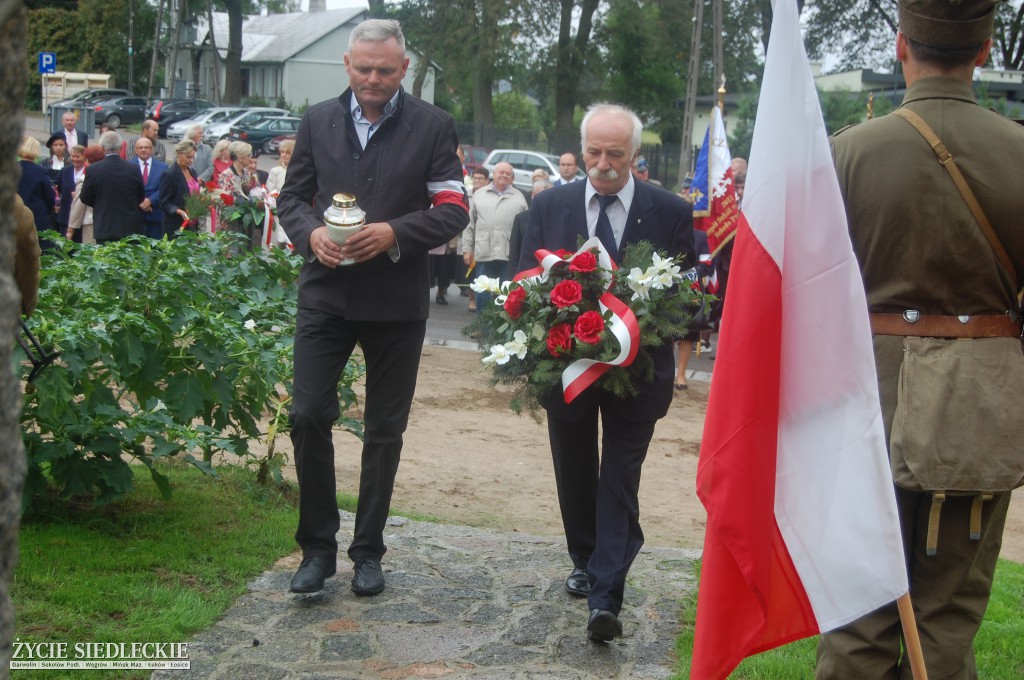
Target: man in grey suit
x=113 y=189
x=598 y=486
x=397 y=155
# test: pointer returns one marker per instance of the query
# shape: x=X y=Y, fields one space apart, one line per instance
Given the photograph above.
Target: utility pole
x=690 y=103
x=719 y=55
x=131 y=48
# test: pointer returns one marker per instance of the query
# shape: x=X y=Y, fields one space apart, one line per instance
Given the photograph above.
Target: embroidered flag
x=713 y=194
x=802 y=533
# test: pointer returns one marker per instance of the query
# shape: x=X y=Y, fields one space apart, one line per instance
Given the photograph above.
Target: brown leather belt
x=934 y=326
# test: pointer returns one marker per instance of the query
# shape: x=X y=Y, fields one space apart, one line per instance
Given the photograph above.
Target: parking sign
x=47 y=62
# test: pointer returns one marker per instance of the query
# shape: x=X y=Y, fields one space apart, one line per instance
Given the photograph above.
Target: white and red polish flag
x=802 y=533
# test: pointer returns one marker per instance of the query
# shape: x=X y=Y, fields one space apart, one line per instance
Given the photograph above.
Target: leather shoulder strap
x=946 y=160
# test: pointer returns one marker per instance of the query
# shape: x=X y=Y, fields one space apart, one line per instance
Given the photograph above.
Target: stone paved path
x=459 y=603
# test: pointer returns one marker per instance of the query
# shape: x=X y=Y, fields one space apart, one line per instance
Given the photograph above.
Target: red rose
x=212 y=185
x=584 y=262
x=515 y=302
x=227 y=199
x=589 y=327
x=566 y=294
x=563 y=253
x=559 y=340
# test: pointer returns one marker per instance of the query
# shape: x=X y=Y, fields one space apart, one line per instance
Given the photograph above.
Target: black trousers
x=323 y=345
x=597 y=494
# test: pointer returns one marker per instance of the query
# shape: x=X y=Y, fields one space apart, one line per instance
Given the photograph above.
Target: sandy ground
x=468 y=459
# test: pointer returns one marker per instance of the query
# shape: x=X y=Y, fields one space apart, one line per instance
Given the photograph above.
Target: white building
x=297 y=57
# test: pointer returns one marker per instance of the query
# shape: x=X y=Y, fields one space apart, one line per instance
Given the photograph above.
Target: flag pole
x=910 y=636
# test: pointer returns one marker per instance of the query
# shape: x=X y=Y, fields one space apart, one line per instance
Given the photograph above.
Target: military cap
x=950 y=24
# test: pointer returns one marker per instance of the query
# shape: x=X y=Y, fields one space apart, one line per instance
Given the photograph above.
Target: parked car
x=475 y=156
x=120 y=111
x=524 y=163
x=176 y=131
x=274 y=145
x=87 y=97
x=260 y=134
x=247 y=117
x=167 y=111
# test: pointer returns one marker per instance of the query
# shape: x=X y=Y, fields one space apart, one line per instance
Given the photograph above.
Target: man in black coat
x=597 y=490
x=396 y=154
x=113 y=189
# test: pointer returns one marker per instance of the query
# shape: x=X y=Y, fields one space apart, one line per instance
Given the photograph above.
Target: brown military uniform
x=919 y=247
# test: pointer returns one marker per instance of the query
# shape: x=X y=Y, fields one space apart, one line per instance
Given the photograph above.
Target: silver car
x=523 y=164
x=249 y=116
x=176 y=131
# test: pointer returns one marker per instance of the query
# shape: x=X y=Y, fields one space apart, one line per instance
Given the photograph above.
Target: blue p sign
x=47 y=62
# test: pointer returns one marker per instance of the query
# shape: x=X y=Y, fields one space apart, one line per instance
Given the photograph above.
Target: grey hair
x=377 y=30
x=110 y=142
x=239 y=149
x=191 y=132
x=616 y=109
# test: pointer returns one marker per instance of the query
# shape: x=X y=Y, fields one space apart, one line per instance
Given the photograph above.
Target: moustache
x=609 y=175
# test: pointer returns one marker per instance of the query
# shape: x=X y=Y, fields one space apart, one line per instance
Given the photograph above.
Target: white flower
x=517 y=347
x=249 y=324
x=499 y=355
x=275 y=329
x=160 y=406
x=640 y=283
x=486 y=284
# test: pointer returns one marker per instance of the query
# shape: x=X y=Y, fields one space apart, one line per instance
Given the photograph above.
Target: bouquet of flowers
x=579 y=321
x=247 y=213
x=201 y=204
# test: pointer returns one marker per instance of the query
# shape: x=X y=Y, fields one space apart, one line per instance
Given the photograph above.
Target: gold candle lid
x=343 y=201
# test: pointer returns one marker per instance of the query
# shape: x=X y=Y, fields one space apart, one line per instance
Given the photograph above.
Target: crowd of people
x=139 y=189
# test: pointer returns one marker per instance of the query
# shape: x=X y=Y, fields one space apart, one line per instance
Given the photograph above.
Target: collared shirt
x=617 y=211
x=71 y=137
x=143 y=164
x=364 y=128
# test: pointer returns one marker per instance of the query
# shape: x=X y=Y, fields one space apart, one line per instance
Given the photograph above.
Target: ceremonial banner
x=712 y=193
x=802 y=532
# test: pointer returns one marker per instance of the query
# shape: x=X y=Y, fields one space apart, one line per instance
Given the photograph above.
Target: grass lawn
x=145 y=569
x=997 y=648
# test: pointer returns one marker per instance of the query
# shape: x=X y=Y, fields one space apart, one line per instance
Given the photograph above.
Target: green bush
x=167 y=348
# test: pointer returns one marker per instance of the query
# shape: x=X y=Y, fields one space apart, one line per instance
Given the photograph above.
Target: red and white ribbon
x=582 y=373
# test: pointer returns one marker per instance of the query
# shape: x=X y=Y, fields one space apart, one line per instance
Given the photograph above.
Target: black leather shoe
x=311 y=574
x=578 y=584
x=603 y=626
x=369 y=577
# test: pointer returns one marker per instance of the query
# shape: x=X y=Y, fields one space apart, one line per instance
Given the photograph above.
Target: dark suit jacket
x=113 y=189
x=173 y=190
x=37 y=193
x=558 y=219
x=152 y=188
x=66 y=186
x=515 y=243
x=83 y=138
x=413 y=146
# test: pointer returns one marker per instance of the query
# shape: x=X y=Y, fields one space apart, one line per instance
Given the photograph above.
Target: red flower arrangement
x=575 y=309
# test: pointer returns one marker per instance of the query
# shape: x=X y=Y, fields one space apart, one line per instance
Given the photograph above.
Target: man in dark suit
x=151 y=171
x=598 y=493
x=396 y=154
x=113 y=189
x=567 y=169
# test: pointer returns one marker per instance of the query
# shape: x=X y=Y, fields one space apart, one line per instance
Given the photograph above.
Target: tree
x=571 y=52
x=12 y=456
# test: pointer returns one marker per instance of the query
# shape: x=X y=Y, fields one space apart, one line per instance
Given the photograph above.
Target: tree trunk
x=570 y=59
x=217 y=98
x=376 y=9
x=233 y=63
x=14 y=28
x=172 y=64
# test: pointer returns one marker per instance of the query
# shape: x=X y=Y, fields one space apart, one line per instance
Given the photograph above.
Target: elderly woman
x=238 y=181
x=80 y=215
x=275 y=181
x=67 y=181
x=179 y=182
x=35 y=188
x=203 y=164
x=221 y=159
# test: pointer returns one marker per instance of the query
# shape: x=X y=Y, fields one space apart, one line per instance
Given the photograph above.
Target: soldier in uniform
x=920 y=248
